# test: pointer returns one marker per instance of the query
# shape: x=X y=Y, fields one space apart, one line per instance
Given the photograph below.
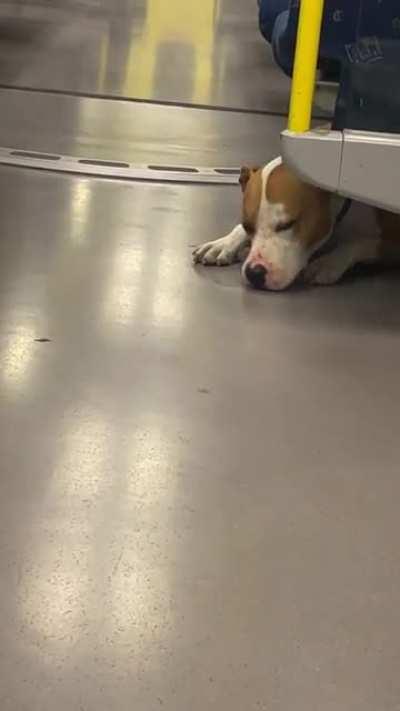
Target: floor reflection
x=80 y=206
x=175 y=46
x=169 y=303
x=124 y=285
x=99 y=565
x=180 y=51
x=16 y=356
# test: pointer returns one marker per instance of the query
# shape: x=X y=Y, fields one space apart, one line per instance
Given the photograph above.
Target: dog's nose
x=255 y=275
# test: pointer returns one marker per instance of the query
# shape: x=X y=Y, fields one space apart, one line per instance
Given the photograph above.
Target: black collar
x=343 y=212
x=327 y=246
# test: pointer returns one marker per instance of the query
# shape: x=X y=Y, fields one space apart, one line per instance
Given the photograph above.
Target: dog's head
x=287 y=221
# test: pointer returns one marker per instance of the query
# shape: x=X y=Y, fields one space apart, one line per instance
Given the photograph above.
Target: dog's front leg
x=330 y=268
x=226 y=250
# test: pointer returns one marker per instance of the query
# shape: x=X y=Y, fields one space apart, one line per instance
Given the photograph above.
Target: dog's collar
x=327 y=244
x=343 y=211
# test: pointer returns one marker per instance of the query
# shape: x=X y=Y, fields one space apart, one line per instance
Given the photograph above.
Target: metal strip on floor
x=118 y=169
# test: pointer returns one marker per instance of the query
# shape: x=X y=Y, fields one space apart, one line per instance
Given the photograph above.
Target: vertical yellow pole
x=305 y=65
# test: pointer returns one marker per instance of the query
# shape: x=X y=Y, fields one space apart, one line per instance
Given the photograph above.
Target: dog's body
x=285 y=222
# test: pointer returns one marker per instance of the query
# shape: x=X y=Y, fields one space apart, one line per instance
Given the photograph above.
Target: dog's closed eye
x=285 y=226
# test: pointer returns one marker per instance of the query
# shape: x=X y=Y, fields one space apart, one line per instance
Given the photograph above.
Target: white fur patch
x=223 y=251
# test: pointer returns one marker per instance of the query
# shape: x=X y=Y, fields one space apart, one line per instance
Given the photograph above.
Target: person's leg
x=269 y=11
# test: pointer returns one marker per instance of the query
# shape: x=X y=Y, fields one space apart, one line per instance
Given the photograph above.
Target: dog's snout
x=256 y=275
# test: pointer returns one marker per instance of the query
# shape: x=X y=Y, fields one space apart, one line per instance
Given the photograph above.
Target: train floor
x=199 y=483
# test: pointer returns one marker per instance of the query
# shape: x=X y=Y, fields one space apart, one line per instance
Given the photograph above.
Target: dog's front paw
x=220 y=252
x=324 y=271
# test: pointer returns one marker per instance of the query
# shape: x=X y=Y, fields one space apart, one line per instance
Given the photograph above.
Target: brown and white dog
x=285 y=221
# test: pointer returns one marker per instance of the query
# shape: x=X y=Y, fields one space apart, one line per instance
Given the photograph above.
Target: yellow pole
x=305 y=65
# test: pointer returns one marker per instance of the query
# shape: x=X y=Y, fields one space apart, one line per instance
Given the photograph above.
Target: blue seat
x=344 y=22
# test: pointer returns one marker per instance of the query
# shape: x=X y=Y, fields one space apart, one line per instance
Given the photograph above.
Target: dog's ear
x=245 y=175
x=244 y=178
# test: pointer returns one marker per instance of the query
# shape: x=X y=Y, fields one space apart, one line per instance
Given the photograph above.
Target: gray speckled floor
x=199 y=490
x=199 y=484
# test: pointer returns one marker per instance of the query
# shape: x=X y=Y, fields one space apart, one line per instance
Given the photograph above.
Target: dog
x=285 y=225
